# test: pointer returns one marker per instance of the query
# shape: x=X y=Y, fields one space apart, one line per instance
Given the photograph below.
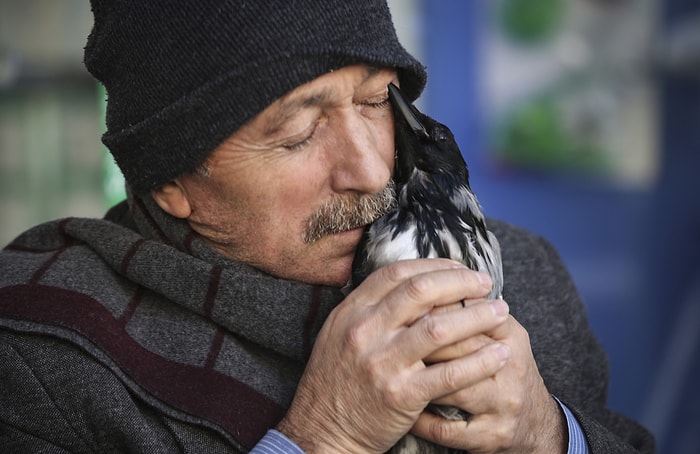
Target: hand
x=512 y=411
x=365 y=384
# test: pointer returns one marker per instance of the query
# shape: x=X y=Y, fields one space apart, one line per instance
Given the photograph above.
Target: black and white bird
x=436 y=215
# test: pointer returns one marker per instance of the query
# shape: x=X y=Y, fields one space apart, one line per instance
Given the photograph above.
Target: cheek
x=281 y=204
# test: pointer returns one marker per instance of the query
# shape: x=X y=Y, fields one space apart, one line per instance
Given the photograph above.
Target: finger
x=388 y=278
x=422 y=293
x=457 y=305
x=440 y=430
x=502 y=389
x=453 y=306
x=485 y=395
x=477 y=434
x=434 y=332
x=510 y=328
x=481 y=398
x=459 y=349
x=444 y=378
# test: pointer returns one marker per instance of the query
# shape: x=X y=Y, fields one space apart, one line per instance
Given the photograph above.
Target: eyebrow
x=291 y=107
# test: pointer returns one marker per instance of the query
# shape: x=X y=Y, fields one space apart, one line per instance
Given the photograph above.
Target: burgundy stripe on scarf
x=200 y=391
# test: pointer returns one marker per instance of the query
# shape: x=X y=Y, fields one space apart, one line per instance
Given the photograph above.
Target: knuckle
x=393 y=394
x=356 y=337
x=450 y=377
x=462 y=398
x=391 y=389
x=395 y=272
x=370 y=366
x=441 y=431
x=435 y=332
x=497 y=437
x=513 y=404
x=418 y=287
x=503 y=434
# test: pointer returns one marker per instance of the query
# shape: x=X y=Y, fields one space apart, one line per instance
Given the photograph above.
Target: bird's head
x=422 y=143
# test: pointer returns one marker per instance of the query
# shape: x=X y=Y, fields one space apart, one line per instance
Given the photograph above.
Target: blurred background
x=579 y=119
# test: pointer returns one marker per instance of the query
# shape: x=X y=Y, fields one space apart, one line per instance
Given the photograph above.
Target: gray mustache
x=346 y=213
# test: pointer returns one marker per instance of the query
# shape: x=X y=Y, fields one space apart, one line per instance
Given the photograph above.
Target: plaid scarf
x=203 y=334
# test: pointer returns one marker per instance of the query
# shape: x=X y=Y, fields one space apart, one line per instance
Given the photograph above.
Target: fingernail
x=499 y=307
x=502 y=351
x=484 y=280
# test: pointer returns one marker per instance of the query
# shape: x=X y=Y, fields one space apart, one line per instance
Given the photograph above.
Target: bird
x=435 y=215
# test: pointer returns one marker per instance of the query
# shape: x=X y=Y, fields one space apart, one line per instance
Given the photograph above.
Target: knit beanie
x=183 y=75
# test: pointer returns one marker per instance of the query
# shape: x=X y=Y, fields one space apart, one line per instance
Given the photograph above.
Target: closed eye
x=301 y=143
x=377 y=105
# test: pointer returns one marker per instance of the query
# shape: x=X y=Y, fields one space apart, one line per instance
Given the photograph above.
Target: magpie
x=436 y=214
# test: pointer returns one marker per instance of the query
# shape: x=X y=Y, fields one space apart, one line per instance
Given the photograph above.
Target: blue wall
x=634 y=254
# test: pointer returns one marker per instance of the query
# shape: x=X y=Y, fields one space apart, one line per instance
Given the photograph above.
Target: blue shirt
x=275 y=442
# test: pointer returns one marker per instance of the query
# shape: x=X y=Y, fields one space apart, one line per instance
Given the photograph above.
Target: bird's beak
x=404 y=109
x=408 y=133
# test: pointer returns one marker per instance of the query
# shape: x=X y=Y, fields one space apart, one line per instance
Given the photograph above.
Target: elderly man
x=205 y=314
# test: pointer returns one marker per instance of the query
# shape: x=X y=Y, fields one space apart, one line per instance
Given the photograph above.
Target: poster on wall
x=569 y=89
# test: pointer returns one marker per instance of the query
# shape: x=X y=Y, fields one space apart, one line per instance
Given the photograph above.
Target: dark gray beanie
x=183 y=75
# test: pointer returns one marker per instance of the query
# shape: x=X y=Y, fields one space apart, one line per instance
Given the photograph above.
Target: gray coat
x=120 y=335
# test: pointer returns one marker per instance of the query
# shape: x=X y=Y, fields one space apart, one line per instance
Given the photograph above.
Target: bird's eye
x=440 y=135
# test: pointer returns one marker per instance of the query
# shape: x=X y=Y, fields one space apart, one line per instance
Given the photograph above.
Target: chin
x=333 y=275
x=331 y=279
x=332 y=265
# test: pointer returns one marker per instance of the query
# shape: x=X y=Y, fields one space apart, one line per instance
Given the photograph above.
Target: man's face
x=275 y=185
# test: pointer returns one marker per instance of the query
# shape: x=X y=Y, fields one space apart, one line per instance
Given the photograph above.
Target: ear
x=172 y=198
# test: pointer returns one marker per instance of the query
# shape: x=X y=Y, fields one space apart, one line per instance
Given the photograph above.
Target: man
x=206 y=313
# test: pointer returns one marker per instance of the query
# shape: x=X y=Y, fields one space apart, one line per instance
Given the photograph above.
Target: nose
x=363 y=152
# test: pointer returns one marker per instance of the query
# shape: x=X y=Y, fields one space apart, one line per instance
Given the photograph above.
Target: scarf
x=199 y=332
